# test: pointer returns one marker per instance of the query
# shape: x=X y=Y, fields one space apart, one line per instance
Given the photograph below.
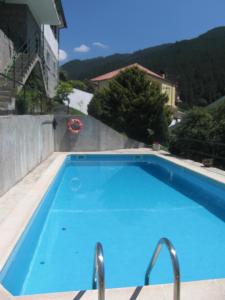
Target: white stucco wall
x=53 y=43
x=6 y=51
x=80 y=100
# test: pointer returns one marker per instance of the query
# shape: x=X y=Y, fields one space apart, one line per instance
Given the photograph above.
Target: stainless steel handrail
x=176 y=268
x=99 y=272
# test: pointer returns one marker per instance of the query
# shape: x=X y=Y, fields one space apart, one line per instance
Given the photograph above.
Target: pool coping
x=28 y=199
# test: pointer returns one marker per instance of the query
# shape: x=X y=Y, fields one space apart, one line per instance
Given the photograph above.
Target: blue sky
x=103 y=27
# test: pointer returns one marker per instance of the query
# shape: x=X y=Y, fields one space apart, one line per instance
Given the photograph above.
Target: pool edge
x=194 y=290
x=12 y=229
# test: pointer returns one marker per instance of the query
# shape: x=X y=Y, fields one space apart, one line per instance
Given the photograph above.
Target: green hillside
x=213 y=106
x=196 y=65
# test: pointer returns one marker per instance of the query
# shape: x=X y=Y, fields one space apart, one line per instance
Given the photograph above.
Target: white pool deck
x=20 y=202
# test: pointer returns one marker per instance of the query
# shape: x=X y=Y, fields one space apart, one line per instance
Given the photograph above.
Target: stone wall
x=6 y=51
x=25 y=141
x=95 y=136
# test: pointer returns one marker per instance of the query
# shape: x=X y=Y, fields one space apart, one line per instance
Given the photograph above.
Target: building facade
x=29 y=39
x=80 y=100
x=166 y=86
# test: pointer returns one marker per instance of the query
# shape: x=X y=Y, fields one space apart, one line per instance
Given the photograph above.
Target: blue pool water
x=127 y=203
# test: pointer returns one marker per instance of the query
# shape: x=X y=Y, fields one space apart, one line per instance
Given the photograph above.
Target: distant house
x=166 y=86
x=80 y=100
x=177 y=118
x=29 y=40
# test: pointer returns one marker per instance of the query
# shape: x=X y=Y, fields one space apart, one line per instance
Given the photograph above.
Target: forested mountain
x=196 y=65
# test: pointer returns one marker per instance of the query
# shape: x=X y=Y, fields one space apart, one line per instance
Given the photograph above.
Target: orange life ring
x=74 y=125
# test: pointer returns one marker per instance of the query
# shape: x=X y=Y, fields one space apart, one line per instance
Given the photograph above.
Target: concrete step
x=5 y=97
x=18 y=75
x=6 y=88
x=5 y=103
x=5 y=92
x=4 y=106
x=19 y=67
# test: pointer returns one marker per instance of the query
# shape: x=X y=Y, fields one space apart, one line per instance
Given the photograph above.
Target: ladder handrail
x=99 y=272
x=175 y=262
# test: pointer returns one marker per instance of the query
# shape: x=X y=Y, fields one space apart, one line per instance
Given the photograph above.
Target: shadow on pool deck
x=79 y=295
x=136 y=293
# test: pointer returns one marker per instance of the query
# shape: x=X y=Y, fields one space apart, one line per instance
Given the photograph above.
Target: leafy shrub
x=201 y=134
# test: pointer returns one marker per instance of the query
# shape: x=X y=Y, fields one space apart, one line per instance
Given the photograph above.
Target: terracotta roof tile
x=113 y=74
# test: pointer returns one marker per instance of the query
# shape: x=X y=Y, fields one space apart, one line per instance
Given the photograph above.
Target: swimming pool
x=127 y=203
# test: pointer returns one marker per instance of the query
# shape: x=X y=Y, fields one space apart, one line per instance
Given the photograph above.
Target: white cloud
x=62 y=55
x=100 y=45
x=82 y=49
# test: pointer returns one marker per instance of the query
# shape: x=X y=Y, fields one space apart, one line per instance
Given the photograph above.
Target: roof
x=114 y=73
x=61 y=13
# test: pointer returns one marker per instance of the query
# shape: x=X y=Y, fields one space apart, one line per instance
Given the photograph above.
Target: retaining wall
x=95 y=136
x=25 y=141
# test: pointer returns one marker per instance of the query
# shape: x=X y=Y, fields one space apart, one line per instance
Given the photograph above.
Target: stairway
x=16 y=74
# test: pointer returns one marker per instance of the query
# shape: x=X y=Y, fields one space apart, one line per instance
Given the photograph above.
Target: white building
x=80 y=100
x=29 y=40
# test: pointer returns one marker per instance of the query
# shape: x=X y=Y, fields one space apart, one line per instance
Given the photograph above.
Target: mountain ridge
x=197 y=65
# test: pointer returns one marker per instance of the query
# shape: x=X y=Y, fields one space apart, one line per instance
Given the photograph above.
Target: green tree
x=80 y=85
x=83 y=85
x=133 y=105
x=218 y=134
x=192 y=137
x=63 y=90
x=32 y=98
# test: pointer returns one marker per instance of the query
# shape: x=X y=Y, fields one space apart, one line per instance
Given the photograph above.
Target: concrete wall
x=52 y=40
x=95 y=136
x=6 y=51
x=24 y=142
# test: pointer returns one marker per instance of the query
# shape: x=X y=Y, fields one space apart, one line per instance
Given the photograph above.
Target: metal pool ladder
x=99 y=272
x=176 y=268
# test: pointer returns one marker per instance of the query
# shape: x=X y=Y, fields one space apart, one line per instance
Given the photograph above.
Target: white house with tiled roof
x=166 y=86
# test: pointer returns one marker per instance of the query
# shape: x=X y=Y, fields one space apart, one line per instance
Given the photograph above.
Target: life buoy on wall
x=74 y=125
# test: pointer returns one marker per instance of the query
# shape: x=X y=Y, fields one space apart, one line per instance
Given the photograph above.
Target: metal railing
x=175 y=263
x=99 y=272
x=24 y=56
x=6 y=77
x=200 y=149
x=27 y=90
